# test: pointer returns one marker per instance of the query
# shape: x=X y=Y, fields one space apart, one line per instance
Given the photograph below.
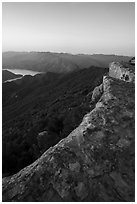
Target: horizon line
x=55 y=52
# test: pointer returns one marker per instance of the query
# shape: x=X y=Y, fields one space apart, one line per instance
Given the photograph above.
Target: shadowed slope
x=94 y=163
x=52 y=102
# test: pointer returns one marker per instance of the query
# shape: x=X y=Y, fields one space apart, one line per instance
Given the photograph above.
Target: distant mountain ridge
x=56 y=62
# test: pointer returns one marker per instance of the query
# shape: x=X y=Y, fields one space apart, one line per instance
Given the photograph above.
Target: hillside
x=52 y=102
x=6 y=75
x=56 y=62
x=96 y=161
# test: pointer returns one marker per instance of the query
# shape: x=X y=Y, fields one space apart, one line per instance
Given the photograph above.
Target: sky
x=88 y=28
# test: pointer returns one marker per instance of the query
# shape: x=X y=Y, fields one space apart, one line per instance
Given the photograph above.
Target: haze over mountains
x=56 y=62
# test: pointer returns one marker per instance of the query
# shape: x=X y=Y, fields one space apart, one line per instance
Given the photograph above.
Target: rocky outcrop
x=132 y=61
x=97 y=92
x=94 y=163
x=123 y=71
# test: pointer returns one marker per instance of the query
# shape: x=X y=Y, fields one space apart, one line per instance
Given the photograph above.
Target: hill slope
x=94 y=163
x=53 y=102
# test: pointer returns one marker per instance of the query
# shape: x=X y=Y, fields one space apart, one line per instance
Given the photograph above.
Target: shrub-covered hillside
x=54 y=103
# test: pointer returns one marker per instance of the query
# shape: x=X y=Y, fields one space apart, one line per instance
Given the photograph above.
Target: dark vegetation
x=54 y=103
x=6 y=75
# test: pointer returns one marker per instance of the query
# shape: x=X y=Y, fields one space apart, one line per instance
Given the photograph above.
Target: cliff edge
x=94 y=163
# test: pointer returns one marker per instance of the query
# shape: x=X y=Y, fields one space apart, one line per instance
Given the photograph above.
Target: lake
x=23 y=71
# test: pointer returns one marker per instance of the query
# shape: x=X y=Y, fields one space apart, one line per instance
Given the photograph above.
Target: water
x=23 y=72
x=9 y=80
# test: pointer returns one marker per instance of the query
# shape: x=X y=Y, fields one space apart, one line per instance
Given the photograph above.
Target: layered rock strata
x=94 y=163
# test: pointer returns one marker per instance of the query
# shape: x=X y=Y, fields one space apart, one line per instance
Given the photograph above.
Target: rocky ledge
x=94 y=163
x=124 y=71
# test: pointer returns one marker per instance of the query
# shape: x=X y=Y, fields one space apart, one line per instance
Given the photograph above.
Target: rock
x=74 y=166
x=81 y=191
x=123 y=71
x=94 y=163
x=97 y=92
x=132 y=61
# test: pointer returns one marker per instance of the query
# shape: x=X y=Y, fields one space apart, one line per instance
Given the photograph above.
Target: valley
x=50 y=102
